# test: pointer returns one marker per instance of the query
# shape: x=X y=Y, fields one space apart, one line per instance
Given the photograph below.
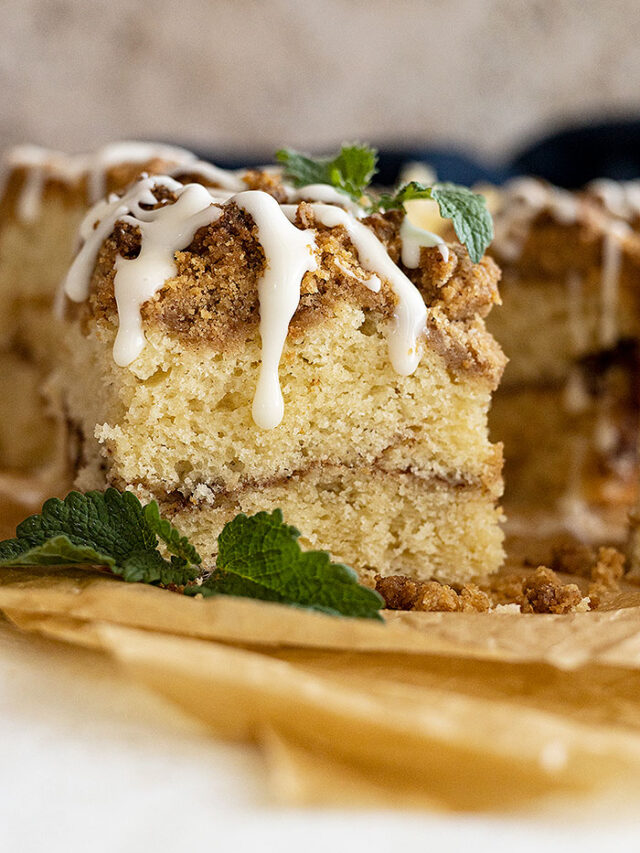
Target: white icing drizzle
x=42 y=165
x=38 y=163
x=225 y=178
x=576 y=397
x=619 y=198
x=413 y=239
x=609 y=281
x=289 y=254
x=324 y=193
x=164 y=231
x=373 y=283
x=409 y=321
x=605 y=435
x=28 y=203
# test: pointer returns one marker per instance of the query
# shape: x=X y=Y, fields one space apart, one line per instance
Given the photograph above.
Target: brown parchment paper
x=568 y=641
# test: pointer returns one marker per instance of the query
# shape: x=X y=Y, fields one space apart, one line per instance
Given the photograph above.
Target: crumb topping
x=403 y=593
x=524 y=591
x=544 y=592
x=214 y=296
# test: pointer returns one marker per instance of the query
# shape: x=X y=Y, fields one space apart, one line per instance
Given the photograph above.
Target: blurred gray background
x=242 y=74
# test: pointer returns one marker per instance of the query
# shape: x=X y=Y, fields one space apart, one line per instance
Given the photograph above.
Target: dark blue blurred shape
x=569 y=158
x=573 y=157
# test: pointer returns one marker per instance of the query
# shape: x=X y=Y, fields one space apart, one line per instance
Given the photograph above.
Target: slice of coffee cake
x=269 y=348
x=568 y=407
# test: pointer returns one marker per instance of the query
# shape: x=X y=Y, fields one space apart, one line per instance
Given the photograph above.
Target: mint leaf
x=110 y=529
x=469 y=214
x=351 y=170
x=467 y=211
x=408 y=192
x=259 y=557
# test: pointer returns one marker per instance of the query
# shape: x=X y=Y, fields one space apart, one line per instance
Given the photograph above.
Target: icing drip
x=327 y=194
x=42 y=165
x=37 y=162
x=164 y=231
x=225 y=178
x=413 y=239
x=289 y=254
x=138 y=279
x=619 y=198
x=576 y=397
x=28 y=207
x=611 y=263
x=409 y=321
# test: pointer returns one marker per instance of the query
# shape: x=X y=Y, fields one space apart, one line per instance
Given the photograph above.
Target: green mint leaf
x=469 y=214
x=351 y=170
x=408 y=192
x=467 y=211
x=302 y=170
x=110 y=529
x=259 y=557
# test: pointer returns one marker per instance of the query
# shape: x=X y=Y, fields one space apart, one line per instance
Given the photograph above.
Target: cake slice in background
x=228 y=353
x=44 y=196
x=567 y=409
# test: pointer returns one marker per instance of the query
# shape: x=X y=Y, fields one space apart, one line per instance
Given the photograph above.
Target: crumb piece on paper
x=403 y=593
x=544 y=592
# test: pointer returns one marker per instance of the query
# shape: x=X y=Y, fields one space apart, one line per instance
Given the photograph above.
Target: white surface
x=89 y=762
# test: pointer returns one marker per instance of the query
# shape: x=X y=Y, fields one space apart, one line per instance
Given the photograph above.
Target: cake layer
x=379 y=522
x=180 y=417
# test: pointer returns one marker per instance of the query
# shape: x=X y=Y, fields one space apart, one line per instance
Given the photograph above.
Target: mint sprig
x=110 y=529
x=351 y=170
x=467 y=211
x=259 y=557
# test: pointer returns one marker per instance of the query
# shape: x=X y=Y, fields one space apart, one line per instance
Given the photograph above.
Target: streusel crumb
x=544 y=592
x=402 y=593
